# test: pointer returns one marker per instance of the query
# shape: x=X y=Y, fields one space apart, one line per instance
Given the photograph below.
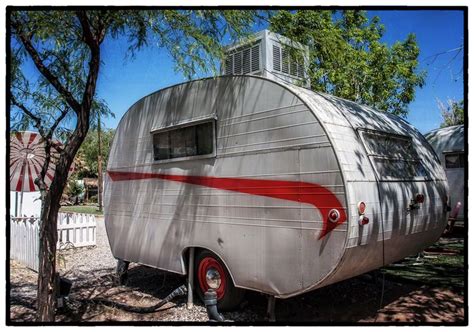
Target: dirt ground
x=355 y=300
x=406 y=298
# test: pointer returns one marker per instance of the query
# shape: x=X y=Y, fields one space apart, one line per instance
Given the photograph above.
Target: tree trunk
x=47 y=257
x=49 y=226
x=99 y=166
x=51 y=199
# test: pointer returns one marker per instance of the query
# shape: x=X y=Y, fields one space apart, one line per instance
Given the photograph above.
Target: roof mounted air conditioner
x=270 y=55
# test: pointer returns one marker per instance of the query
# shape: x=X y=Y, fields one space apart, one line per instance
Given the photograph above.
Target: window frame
x=372 y=156
x=458 y=153
x=182 y=125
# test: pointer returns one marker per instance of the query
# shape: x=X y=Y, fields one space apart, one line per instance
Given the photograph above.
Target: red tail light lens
x=361 y=207
x=334 y=215
x=363 y=221
x=420 y=198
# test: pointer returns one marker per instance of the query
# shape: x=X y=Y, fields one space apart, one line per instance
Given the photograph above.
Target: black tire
x=229 y=296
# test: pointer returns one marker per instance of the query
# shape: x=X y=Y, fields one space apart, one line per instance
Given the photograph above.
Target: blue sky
x=436 y=31
x=123 y=81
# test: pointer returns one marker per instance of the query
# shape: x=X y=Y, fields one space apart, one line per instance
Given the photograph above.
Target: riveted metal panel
x=392 y=229
x=263 y=132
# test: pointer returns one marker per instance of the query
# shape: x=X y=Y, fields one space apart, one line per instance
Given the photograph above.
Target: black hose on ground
x=180 y=291
x=210 y=300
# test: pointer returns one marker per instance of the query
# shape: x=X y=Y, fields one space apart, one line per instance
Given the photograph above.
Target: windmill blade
x=27 y=156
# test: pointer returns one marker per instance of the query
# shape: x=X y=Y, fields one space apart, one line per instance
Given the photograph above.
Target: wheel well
x=185 y=259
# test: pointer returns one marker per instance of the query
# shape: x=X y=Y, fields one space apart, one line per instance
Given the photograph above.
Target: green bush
x=75 y=188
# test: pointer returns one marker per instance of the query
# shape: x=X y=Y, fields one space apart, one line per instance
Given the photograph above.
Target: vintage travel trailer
x=275 y=188
x=448 y=144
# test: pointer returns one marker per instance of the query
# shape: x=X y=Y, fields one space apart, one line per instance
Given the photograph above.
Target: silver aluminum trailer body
x=263 y=200
x=448 y=144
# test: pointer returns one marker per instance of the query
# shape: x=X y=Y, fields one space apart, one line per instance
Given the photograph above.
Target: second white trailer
x=448 y=143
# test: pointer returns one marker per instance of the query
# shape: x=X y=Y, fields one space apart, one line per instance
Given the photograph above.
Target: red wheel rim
x=204 y=266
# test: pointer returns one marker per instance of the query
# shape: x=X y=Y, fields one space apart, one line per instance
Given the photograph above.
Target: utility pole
x=99 y=165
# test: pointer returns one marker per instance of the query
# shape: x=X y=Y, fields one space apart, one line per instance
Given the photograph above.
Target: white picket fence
x=24 y=241
x=74 y=230
x=77 y=229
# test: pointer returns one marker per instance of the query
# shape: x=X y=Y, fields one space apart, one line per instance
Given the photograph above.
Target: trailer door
x=408 y=198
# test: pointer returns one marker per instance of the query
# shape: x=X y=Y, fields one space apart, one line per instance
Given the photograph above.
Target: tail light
x=419 y=198
x=363 y=220
x=414 y=202
x=334 y=215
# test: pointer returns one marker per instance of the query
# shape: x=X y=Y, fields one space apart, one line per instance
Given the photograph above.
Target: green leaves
x=191 y=37
x=87 y=156
x=348 y=59
x=452 y=112
x=65 y=42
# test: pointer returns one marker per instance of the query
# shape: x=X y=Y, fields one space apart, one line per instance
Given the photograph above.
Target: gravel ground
x=354 y=300
x=88 y=262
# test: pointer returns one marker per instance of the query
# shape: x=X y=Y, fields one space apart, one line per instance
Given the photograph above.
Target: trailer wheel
x=210 y=272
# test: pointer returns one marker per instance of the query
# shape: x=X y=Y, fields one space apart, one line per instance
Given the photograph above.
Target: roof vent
x=243 y=61
x=270 y=55
x=256 y=58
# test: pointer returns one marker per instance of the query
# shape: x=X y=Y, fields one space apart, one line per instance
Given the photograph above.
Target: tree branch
x=46 y=136
x=103 y=21
x=36 y=119
x=86 y=30
x=58 y=120
x=26 y=41
x=93 y=73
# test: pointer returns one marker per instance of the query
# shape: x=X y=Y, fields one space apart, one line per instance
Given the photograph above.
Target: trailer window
x=393 y=156
x=189 y=141
x=454 y=160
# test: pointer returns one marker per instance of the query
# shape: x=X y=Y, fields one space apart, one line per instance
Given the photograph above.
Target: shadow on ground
x=355 y=300
x=414 y=291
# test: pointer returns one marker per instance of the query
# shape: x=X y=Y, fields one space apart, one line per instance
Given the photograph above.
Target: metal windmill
x=27 y=155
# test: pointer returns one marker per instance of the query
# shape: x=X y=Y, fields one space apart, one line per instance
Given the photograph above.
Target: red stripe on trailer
x=323 y=199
